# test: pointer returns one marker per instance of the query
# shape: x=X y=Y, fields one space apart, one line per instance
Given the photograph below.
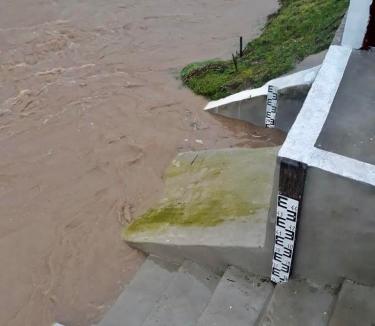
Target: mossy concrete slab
x=214 y=197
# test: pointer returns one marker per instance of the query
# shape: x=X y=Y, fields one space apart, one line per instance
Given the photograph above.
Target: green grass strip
x=299 y=28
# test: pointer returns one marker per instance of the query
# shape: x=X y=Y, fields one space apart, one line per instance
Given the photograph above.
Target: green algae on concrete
x=204 y=189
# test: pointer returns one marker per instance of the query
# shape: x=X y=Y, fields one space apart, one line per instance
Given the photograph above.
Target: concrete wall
x=336 y=230
x=336 y=236
x=253 y=110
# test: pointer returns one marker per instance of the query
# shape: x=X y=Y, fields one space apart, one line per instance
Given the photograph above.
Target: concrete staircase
x=168 y=294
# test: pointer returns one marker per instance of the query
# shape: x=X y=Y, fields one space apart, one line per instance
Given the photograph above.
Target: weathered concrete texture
x=298 y=303
x=217 y=190
x=237 y=232
x=140 y=296
x=337 y=39
x=356 y=23
x=355 y=306
x=299 y=144
x=238 y=300
x=242 y=175
x=217 y=258
x=253 y=110
x=250 y=105
x=311 y=61
x=185 y=298
x=349 y=128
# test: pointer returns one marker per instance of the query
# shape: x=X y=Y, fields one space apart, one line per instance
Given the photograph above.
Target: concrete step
x=238 y=300
x=185 y=298
x=232 y=190
x=299 y=303
x=141 y=295
x=355 y=306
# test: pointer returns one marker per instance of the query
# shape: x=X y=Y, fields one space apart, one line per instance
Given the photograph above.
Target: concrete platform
x=299 y=303
x=355 y=306
x=349 y=129
x=223 y=198
x=239 y=300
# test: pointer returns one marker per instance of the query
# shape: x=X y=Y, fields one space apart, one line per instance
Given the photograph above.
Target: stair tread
x=141 y=294
x=185 y=298
x=298 y=303
x=355 y=306
x=238 y=300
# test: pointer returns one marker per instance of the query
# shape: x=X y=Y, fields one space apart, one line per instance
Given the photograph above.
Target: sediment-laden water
x=91 y=113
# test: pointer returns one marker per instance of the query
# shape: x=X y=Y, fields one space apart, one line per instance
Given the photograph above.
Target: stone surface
x=140 y=296
x=185 y=298
x=238 y=300
x=298 y=303
x=355 y=306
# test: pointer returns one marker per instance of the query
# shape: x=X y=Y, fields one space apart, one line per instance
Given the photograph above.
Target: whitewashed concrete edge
x=300 y=142
x=305 y=77
x=356 y=23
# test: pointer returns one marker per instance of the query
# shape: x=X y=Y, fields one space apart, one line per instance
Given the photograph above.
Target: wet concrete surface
x=349 y=128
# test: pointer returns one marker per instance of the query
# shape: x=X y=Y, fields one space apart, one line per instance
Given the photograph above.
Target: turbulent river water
x=91 y=113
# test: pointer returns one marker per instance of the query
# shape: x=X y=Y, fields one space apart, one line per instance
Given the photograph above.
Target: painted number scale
x=285 y=235
x=271 y=108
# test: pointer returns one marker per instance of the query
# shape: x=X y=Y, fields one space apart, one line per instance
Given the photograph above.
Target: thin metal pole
x=241 y=47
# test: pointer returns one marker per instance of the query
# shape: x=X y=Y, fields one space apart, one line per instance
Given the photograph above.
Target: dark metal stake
x=241 y=47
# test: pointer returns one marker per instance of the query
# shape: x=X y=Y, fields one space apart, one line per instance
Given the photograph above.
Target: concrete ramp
x=250 y=105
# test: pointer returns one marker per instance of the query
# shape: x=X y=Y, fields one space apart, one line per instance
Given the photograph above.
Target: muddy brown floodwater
x=91 y=113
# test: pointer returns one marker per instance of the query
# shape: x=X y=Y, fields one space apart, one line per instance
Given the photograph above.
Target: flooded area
x=91 y=113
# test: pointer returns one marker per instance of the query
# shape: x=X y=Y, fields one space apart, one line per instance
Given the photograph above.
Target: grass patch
x=299 y=28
